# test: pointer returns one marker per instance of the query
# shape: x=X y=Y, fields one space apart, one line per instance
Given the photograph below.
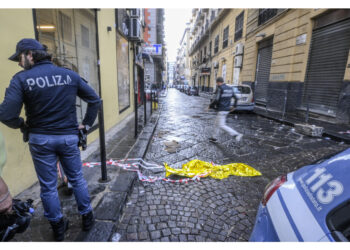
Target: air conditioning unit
x=135 y=13
x=135 y=29
x=238 y=61
x=239 y=49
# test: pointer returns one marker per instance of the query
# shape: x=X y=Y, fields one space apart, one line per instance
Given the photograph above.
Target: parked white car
x=245 y=97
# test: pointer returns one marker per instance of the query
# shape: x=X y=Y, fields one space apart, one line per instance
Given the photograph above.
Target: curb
x=324 y=134
x=110 y=207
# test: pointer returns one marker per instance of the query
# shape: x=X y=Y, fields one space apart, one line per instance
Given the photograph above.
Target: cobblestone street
x=211 y=210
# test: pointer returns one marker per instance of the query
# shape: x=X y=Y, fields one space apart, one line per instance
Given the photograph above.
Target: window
x=212 y=16
x=66 y=33
x=205 y=54
x=239 y=26
x=338 y=222
x=241 y=90
x=66 y=25
x=265 y=15
x=85 y=36
x=216 y=44
x=225 y=38
x=209 y=51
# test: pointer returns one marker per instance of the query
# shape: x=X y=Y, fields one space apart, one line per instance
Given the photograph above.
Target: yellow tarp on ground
x=203 y=169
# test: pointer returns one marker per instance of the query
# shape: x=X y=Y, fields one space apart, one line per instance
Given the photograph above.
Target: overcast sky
x=174 y=26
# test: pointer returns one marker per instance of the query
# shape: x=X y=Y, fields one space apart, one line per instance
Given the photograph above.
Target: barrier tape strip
x=194 y=170
x=135 y=167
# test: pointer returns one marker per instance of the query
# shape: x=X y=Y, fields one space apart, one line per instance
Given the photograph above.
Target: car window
x=241 y=90
x=338 y=222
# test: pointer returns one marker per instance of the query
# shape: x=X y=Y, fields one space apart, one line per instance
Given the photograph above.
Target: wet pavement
x=127 y=209
x=211 y=210
x=107 y=198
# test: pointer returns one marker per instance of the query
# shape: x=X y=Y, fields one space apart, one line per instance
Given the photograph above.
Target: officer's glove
x=82 y=138
x=25 y=131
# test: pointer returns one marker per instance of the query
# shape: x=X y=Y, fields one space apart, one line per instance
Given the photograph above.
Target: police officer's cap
x=26 y=44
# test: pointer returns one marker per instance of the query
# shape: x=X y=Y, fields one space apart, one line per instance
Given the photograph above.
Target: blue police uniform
x=49 y=96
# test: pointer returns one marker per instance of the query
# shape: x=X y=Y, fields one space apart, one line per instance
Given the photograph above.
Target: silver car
x=245 y=97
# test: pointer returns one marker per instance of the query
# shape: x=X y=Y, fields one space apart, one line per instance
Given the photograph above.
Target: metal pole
x=151 y=101
x=144 y=105
x=307 y=110
x=285 y=104
x=101 y=126
x=136 y=115
x=104 y=177
x=135 y=90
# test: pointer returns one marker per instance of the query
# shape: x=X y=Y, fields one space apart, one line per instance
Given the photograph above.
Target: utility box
x=239 y=49
x=238 y=61
x=135 y=29
x=308 y=129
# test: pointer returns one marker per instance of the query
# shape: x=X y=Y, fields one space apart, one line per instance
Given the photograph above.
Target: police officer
x=222 y=100
x=49 y=96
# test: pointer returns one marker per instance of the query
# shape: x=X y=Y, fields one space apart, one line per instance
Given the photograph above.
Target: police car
x=309 y=204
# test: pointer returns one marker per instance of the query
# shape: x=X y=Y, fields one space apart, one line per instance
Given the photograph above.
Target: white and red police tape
x=137 y=163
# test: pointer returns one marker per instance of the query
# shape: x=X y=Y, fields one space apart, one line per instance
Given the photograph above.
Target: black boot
x=88 y=221
x=59 y=228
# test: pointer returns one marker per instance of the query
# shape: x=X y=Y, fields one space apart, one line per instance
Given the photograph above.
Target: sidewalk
x=108 y=199
x=338 y=132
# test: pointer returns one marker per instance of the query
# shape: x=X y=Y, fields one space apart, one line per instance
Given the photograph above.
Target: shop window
x=66 y=33
x=239 y=26
x=225 y=38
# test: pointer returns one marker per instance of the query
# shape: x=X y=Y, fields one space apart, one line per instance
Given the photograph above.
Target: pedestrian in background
x=222 y=101
x=49 y=96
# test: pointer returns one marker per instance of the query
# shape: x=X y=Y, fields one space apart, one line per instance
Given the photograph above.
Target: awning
x=147 y=57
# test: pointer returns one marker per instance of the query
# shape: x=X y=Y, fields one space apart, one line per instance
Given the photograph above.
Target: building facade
x=295 y=57
x=154 y=44
x=100 y=45
x=171 y=72
x=183 y=74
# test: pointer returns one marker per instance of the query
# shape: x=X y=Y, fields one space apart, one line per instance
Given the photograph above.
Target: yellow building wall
x=15 y=24
x=226 y=56
x=289 y=59
x=19 y=171
x=108 y=72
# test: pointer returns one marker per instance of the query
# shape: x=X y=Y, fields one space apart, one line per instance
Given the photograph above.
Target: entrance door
x=263 y=71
